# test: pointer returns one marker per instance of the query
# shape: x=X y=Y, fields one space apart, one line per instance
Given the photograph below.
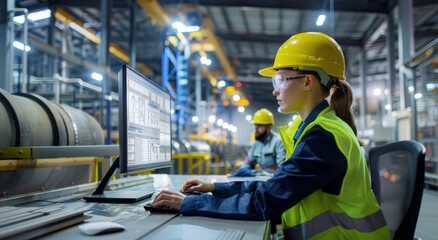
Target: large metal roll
x=87 y=130
x=31 y=120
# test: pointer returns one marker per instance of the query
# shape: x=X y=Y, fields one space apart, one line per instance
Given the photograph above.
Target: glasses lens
x=277 y=81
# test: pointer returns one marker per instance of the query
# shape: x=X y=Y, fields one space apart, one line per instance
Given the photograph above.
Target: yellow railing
x=196 y=163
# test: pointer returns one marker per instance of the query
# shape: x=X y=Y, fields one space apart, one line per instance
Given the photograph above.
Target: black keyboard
x=161 y=209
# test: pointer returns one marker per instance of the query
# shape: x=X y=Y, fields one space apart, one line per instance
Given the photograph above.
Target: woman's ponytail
x=342 y=102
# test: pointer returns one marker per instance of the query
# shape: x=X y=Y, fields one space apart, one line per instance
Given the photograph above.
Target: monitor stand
x=119 y=195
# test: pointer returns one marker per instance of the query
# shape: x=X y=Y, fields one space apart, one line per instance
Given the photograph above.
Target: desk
x=141 y=224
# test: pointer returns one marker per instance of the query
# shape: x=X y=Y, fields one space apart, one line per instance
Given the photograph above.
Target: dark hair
x=342 y=102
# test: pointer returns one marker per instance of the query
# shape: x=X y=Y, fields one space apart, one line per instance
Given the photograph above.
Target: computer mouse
x=94 y=228
x=190 y=193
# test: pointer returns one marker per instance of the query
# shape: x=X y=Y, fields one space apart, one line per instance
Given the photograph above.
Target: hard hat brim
x=267 y=72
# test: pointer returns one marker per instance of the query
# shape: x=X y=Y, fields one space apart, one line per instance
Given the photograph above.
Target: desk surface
x=141 y=224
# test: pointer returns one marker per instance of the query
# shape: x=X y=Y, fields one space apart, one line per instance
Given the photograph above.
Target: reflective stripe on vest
x=330 y=219
x=323 y=216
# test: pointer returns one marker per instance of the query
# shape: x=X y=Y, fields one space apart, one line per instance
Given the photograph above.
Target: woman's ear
x=309 y=81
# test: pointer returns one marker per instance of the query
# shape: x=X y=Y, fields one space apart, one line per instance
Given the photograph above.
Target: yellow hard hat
x=310 y=51
x=263 y=116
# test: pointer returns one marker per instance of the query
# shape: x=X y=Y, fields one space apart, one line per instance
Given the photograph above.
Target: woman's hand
x=198 y=185
x=170 y=199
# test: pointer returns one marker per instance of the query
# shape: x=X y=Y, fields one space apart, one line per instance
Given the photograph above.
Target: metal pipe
x=78 y=81
x=24 y=63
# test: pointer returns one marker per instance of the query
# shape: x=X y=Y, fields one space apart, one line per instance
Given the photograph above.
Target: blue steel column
x=405 y=47
x=182 y=82
x=363 y=85
x=198 y=98
x=6 y=45
x=390 y=58
x=105 y=8
x=132 y=35
x=50 y=40
x=230 y=120
x=180 y=71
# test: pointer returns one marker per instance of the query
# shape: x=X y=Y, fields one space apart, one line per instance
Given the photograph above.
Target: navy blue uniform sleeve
x=316 y=163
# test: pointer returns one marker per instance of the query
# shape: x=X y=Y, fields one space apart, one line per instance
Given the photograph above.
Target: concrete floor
x=427 y=225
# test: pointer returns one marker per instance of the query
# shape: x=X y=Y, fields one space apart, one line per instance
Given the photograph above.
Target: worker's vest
x=354 y=213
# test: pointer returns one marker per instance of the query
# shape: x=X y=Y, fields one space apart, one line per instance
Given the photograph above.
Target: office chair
x=397 y=179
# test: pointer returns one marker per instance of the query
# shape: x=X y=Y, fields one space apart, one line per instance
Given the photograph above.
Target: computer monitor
x=144 y=134
x=144 y=123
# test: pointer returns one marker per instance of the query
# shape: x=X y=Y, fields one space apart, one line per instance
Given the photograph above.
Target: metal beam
x=159 y=16
x=277 y=38
x=69 y=19
x=5 y=46
x=88 y=3
x=345 y=6
x=155 y=12
x=55 y=52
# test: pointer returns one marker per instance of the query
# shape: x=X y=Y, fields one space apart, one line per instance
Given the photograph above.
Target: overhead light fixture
x=320 y=20
x=195 y=119
x=181 y=27
x=84 y=32
x=97 y=76
x=221 y=84
x=212 y=118
x=21 y=46
x=35 y=16
x=377 y=92
x=205 y=60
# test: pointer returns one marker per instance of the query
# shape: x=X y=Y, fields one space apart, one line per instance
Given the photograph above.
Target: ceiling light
x=181 y=27
x=35 y=16
x=431 y=86
x=221 y=84
x=320 y=20
x=97 y=76
x=205 y=60
x=212 y=118
x=20 y=46
x=377 y=92
x=236 y=97
x=40 y=15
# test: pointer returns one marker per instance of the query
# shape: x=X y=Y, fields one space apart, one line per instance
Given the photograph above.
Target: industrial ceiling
x=239 y=36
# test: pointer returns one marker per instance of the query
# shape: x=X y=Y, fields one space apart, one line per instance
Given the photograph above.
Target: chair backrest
x=397 y=179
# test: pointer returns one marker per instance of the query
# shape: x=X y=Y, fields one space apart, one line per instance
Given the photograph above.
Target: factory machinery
x=45 y=146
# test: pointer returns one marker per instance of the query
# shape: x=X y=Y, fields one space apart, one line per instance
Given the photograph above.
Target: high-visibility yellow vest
x=354 y=213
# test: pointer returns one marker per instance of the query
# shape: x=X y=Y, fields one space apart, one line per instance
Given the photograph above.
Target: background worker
x=267 y=150
x=323 y=189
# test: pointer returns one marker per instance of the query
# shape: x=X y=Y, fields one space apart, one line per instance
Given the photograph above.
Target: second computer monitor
x=144 y=123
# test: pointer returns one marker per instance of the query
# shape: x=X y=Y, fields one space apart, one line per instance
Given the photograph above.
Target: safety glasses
x=278 y=80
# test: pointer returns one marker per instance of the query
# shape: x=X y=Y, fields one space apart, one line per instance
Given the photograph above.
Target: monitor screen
x=144 y=123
